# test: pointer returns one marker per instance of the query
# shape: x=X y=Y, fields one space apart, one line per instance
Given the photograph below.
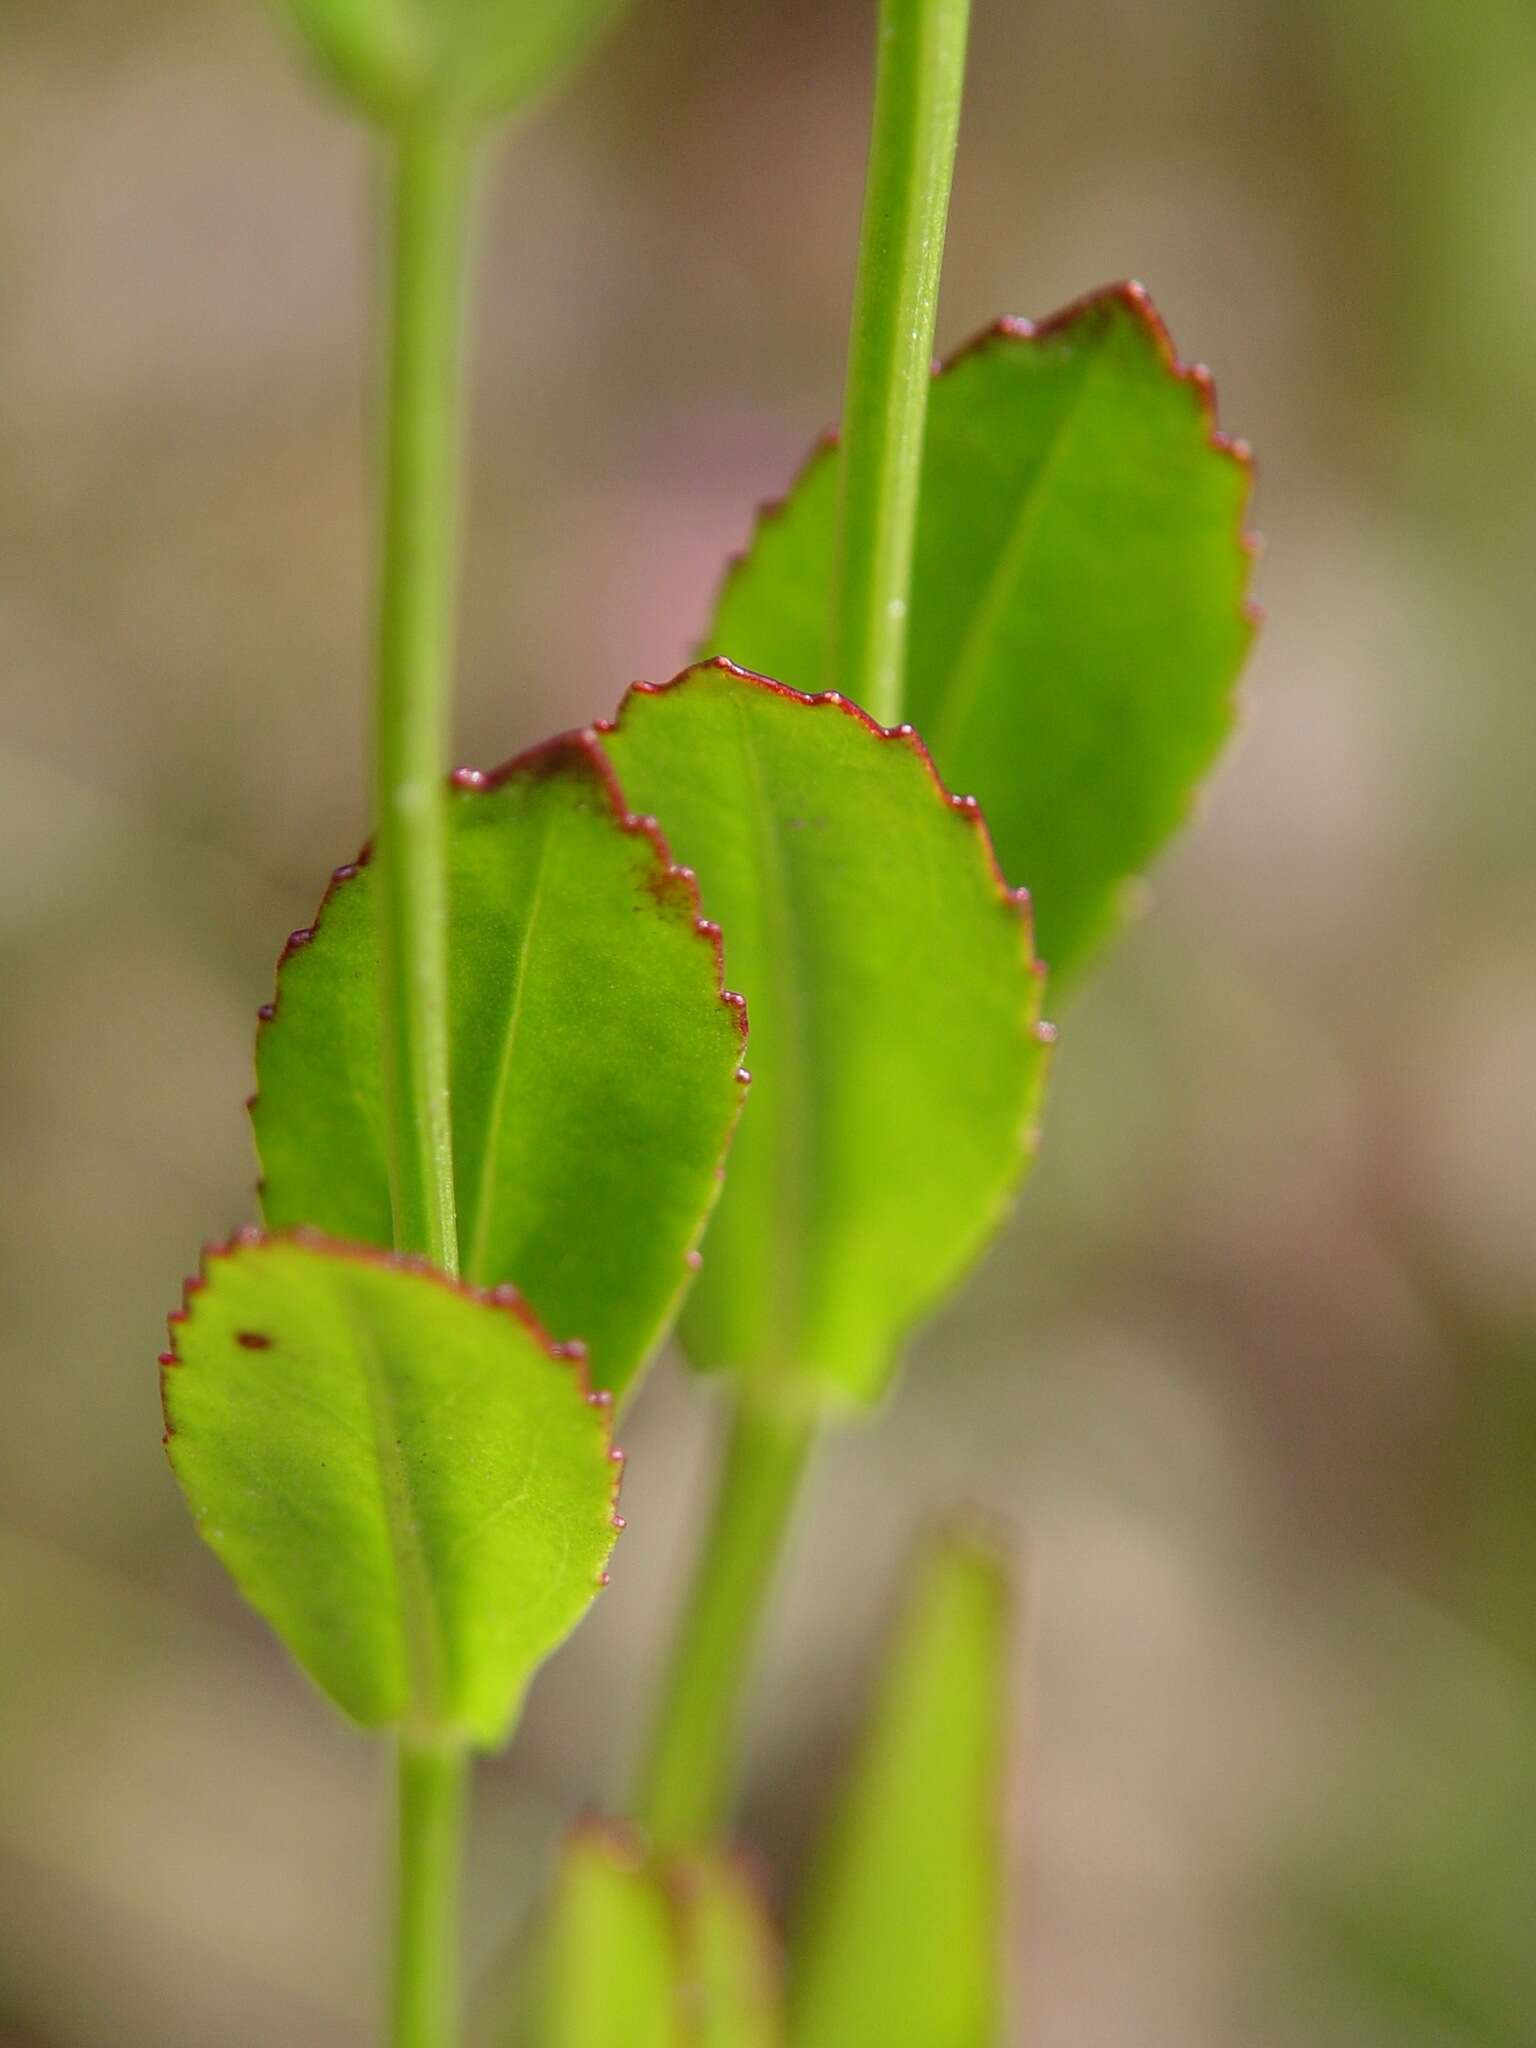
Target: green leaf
x=1077 y=616
x=901 y=1934
x=894 y=1004
x=595 y=1058
x=402 y=1475
x=641 y=1954
x=473 y=57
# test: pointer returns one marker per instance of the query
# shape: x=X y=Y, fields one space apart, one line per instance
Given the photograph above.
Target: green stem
x=418 y=589
x=433 y=1780
x=686 y=1782
x=417 y=595
x=918 y=84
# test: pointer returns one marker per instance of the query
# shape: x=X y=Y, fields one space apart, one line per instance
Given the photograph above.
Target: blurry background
x=1254 y=1370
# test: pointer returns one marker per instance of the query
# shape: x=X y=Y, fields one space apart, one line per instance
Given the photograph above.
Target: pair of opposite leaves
x=387 y=1463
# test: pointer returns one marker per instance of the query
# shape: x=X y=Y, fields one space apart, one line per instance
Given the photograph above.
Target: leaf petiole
x=433 y=1780
x=685 y=1783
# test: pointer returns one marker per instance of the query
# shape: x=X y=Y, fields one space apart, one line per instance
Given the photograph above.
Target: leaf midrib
x=789 y=1172
x=486 y=1178
x=421 y=1638
x=958 y=690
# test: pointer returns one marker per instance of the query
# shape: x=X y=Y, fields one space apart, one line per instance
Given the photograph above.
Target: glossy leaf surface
x=639 y=1954
x=595 y=1059
x=1077 y=613
x=399 y=1474
x=894 y=1002
x=477 y=57
x=901 y=1935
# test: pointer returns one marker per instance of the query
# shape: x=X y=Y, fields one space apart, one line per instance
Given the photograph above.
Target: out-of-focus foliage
x=901 y=1934
x=601 y=1969
x=681 y=1955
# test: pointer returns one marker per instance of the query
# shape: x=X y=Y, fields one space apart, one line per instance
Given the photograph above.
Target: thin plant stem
x=433 y=1780
x=423 y=463
x=686 y=1780
x=417 y=602
x=919 y=76
x=685 y=1783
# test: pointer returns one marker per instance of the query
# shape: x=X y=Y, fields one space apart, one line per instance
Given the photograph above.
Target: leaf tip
x=1129 y=298
x=672 y=884
x=619 y=1841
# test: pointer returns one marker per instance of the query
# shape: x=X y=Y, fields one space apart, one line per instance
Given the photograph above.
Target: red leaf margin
x=673 y=883
x=966 y=808
x=572 y=1357
x=1126 y=294
x=674 y=887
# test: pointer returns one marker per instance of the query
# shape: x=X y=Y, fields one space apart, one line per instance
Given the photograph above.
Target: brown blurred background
x=1254 y=1370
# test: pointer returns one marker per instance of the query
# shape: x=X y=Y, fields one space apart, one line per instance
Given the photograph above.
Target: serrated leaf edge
x=571 y=1357
x=1014 y=901
x=1134 y=298
x=579 y=747
x=967 y=808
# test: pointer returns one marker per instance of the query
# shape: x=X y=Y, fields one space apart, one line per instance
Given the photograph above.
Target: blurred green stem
x=423 y=463
x=919 y=76
x=433 y=1780
x=685 y=1785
